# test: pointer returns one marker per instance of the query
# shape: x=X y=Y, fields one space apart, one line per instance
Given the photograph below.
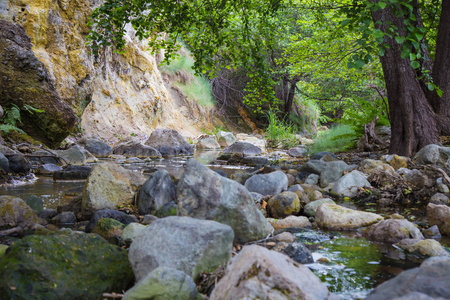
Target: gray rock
x=18 y=164
x=207 y=142
x=297 y=151
x=423 y=248
x=255 y=160
x=109 y=186
x=97 y=147
x=131 y=232
x=168 y=209
x=47 y=214
x=299 y=253
x=434 y=155
x=333 y=171
x=319 y=155
x=163 y=283
x=186 y=244
x=243 y=148
x=111 y=214
x=312 y=179
x=431 y=279
x=441 y=186
x=432 y=233
x=256 y=197
x=4 y=163
x=66 y=217
x=283 y=205
x=48 y=169
x=335 y=217
x=349 y=184
x=439 y=215
x=72 y=173
x=296 y=187
x=76 y=155
x=315 y=166
x=35 y=203
x=267 y=184
x=135 y=149
x=311 y=208
x=148 y=219
x=415 y=177
x=169 y=142
x=15 y=212
x=439 y=199
x=258 y=273
x=392 y=231
x=158 y=190
x=204 y=194
x=291 y=221
x=225 y=139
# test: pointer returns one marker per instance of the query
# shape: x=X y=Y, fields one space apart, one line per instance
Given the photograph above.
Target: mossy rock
x=109 y=228
x=167 y=210
x=73 y=266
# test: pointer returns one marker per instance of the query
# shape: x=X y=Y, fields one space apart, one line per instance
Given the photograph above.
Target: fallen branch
x=16 y=230
x=112 y=296
x=442 y=172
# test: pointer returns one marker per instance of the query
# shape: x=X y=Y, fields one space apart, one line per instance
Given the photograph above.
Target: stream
x=349 y=265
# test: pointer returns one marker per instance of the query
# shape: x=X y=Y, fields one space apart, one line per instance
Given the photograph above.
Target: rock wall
x=114 y=95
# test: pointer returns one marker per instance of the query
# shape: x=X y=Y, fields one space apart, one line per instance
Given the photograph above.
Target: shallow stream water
x=350 y=266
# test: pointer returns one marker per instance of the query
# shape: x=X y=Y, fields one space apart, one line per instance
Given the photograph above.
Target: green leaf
x=439 y=91
x=399 y=39
x=430 y=86
x=412 y=56
x=415 y=64
x=382 y=5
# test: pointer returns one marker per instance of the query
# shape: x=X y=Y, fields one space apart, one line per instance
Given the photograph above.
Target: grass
x=339 y=138
x=280 y=133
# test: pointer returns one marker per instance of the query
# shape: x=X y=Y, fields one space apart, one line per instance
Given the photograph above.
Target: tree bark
x=413 y=123
x=441 y=71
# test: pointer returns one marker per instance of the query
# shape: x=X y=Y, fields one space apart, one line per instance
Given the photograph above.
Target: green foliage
x=280 y=133
x=337 y=139
x=10 y=119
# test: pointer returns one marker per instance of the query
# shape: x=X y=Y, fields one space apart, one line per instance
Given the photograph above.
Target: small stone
x=291 y=221
x=284 y=237
x=439 y=199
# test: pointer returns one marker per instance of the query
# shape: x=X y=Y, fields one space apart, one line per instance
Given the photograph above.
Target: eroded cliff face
x=115 y=95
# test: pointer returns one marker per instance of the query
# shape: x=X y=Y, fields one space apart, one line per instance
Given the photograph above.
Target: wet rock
x=4 y=163
x=257 y=140
x=320 y=155
x=267 y=184
x=311 y=208
x=434 y=155
x=64 y=266
x=169 y=282
x=15 y=212
x=131 y=231
x=76 y=155
x=207 y=142
x=291 y=221
x=299 y=253
x=439 y=215
x=204 y=194
x=96 y=147
x=258 y=273
x=255 y=161
x=108 y=228
x=335 y=217
x=47 y=214
x=26 y=83
x=169 y=142
x=18 y=164
x=35 y=203
x=72 y=173
x=167 y=210
x=243 y=149
x=109 y=213
x=135 y=149
x=392 y=231
x=158 y=190
x=186 y=244
x=66 y=217
x=297 y=151
x=225 y=139
x=439 y=199
x=283 y=205
x=430 y=279
x=332 y=172
x=349 y=184
x=48 y=169
x=432 y=233
x=423 y=248
x=109 y=186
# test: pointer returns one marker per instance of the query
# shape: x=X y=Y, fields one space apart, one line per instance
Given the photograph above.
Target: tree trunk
x=290 y=95
x=413 y=122
x=441 y=71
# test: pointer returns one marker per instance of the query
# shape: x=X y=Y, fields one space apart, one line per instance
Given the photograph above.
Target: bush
x=280 y=133
x=339 y=138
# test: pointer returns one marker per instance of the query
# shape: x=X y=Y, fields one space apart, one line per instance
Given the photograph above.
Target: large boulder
x=207 y=142
x=158 y=190
x=76 y=155
x=430 y=279
x=349 y=184
x=75 y=266
x=258 y=273
x=243 y=149
x=163 y=283
x=18 y=164
x=169 y=142
x=109 y=186
x=423 y=248
x=186 y=244
x=204 y=194
x=392 y=231
x=335 y=217
x=96 y=147
x=434 y=155
x=4 y=164
x=439 y=215
x=311 y=208
x=15 y=212
x=225 y=138
x=332 y=172
x=135 y=149
x=267 y=184
x=27 y=84
x=72 y=173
